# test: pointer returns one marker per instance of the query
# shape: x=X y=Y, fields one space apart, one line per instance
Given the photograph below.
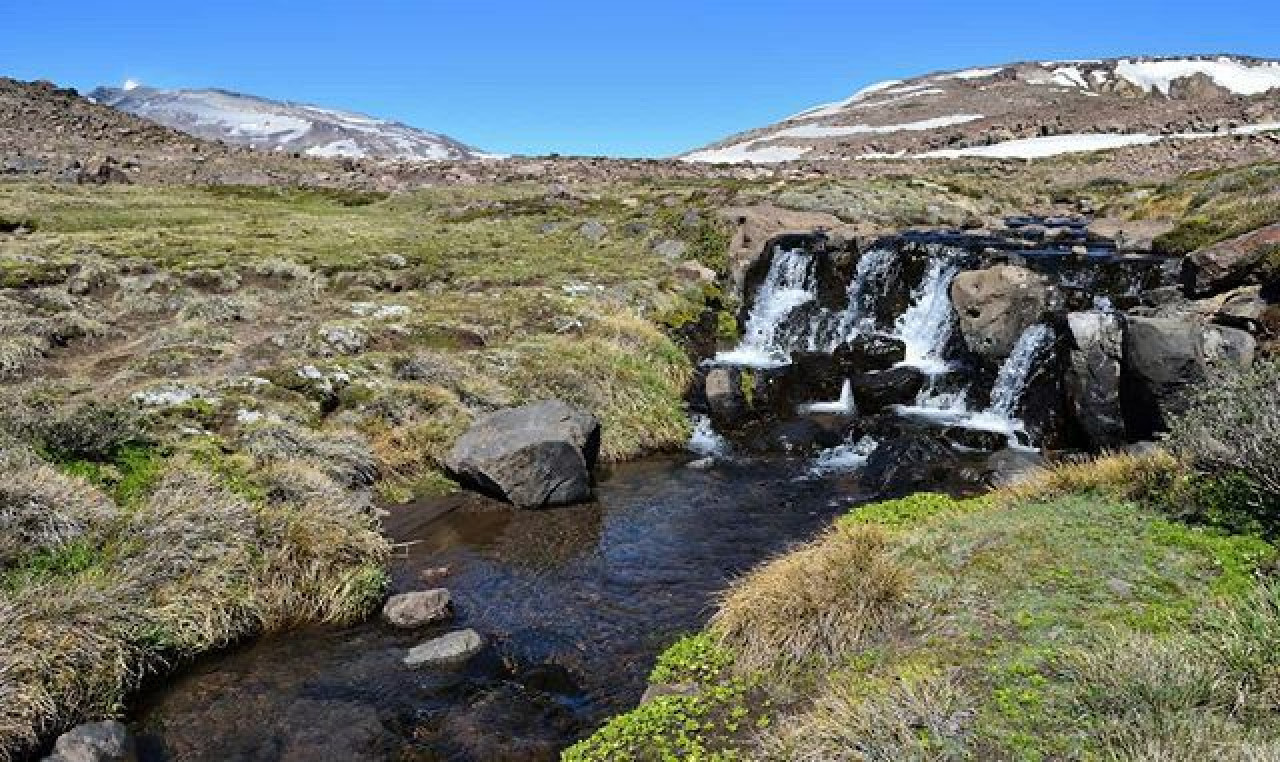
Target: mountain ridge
x=283 y=125
x=987 y=111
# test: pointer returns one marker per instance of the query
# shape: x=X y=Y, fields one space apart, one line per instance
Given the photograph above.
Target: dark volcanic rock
x=1093 y=376
x=876 y=390
x=536 y=455
x=1162 y=358
x=870 y=352
x=1230 y=263
x=916 y=459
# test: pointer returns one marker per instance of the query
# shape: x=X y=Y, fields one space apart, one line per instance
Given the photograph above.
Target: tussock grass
x=816 y=604
x=1116 y=475
x=344 y=455
x=911 y=719
x=42 y=509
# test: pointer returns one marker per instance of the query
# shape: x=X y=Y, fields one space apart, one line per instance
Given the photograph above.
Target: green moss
x=1233 y=559
x=128 y=476
x=695 y=658
x=66 y=561
x=911 y=511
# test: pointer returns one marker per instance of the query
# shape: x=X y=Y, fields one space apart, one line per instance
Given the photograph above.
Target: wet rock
x=1162 y=358
x=870 y=352
x=723 y=387
x=409 y=610
x=753 y=226
x=912 y=461
x=815 y=377
x=1224 y=345
x=996 y=305
x=446 y=650
x=536 y=455
x=875 y=390
x=1229 y=263
x=107 y=741
x=1009 y=466
x=976 y=439
x=511 y=723
x=1093 y=376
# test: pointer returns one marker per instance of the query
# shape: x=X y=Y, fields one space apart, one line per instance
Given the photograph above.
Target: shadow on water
x=575 y=604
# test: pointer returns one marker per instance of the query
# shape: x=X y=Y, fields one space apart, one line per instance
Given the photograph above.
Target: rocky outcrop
x=996 y=305
x=446 y=650
x=417 y=609
x=1229 y=263
x=95 y=742
x=537 y=455
x=1093 y=376
x=1224 y=345
x=1162 y=358
x=753 y=226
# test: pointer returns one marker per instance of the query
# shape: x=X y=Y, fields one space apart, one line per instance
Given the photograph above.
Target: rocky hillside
x=1025 y=110
x=265 y=124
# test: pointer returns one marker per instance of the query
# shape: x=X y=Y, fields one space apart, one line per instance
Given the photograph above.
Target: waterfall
x=875 y=271
x=1015 y=372
x=844 y=405
x=789 y=284
x=705 y=440
x=926 y=325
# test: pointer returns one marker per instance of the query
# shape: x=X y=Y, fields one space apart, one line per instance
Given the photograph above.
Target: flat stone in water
x=446 y=650
x=409 y=610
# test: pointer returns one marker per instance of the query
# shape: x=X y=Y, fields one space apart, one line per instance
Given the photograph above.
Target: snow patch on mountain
x=823 y=131
x=1237 y=76
x=282 y=126
x=748 y=152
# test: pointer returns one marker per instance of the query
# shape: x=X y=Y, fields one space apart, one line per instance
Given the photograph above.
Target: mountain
x=1024 y=110
x=282 y=126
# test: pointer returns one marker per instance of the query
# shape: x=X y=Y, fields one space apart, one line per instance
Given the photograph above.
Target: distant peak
x=130 y=84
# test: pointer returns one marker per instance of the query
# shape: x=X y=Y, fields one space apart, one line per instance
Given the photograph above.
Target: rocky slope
x=266 y=124
x=1025 y=110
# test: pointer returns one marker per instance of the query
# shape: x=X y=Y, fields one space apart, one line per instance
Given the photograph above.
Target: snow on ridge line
x=1236 y=76
x=971 y=73
x=825 y=131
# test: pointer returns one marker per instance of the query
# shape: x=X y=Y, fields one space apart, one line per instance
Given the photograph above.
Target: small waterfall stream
x=789 y=284
x=926 y=325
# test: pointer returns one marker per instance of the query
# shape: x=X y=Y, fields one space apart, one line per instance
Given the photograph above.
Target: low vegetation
x=1114 y=608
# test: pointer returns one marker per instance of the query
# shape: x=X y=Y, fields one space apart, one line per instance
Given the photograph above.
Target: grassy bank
x=1059 y=621
x=203 y=392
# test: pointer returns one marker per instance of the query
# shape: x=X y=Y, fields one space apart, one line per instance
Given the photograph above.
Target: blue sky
x=626 y=79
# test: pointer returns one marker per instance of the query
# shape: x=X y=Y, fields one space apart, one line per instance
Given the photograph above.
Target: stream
x=575 y=602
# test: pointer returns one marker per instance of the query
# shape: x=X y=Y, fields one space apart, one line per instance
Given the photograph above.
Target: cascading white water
x=789 y=284
x=705 y=440
x=1015 y=372
x=925 y=327
x=871 y=278
x=843 y=406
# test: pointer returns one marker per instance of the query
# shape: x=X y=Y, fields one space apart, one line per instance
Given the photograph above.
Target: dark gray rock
x=876 y=390
x=446 y=650
x=1227 y=346
x=870 y=352
x=536 y=455
x=1229 y=263
x=1162 y=358
x=1093 y=376
x=909 y=462
x=723 y=387
x=95 y=742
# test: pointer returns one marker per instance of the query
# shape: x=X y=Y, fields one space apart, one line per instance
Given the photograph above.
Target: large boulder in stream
x=1230 y=263
x=1093 y=376
x=870 y=352
x=532 y=456
x=915 y=460
x=996 y=305
x=1163 y=357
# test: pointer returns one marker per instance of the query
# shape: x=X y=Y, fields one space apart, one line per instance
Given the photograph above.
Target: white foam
x=789 y=284
x=843 y=406
x=705 y=440
x=843 y=458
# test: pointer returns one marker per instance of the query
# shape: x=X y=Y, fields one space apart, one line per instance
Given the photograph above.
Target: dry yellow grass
x=1123 y=475
x=817 y=604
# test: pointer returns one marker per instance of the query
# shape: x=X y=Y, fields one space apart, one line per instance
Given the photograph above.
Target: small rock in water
x=419 y=608
x=446 y=650
x=95 y=742
x=433 y=574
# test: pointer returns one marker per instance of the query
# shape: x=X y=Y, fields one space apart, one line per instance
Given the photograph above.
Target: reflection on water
x=575 y=603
